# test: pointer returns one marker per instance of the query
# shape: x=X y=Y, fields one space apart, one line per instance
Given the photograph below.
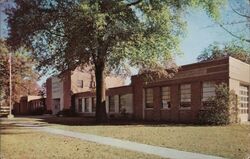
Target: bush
x=66 y=112
x=221 y=109
x=38 y=111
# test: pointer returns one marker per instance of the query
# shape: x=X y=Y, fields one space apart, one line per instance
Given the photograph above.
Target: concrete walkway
x=128 y=145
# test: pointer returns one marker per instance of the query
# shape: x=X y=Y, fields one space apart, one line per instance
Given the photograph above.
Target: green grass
x=231 y=141
x=23 y=143
x=227 y=141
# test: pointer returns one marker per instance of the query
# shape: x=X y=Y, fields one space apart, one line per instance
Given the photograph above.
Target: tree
x=214 y=51
x=105 y=34
x=237 y=23
x=23 y=76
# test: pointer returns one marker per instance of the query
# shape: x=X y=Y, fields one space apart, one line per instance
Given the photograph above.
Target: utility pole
x=10 y=71
x=10 y=113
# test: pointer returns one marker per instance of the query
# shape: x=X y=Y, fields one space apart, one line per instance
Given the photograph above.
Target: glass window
x=208 y=90
x=86 y=102
x=93 y=104
x=149 y=98
x=111 y=103
x=80 y=105
x=122 y=103
x=244 y=99
x=165 y=97
x=80 y=83
x=185 y=91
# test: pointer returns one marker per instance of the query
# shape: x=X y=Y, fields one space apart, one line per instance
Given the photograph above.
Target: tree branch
x=134 y=3
x=244 y=39
x=240 y=14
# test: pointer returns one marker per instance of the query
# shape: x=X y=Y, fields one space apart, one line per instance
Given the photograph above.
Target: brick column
x=175 y=101
x=137 y=84
x=157 y=103
x=196 y=91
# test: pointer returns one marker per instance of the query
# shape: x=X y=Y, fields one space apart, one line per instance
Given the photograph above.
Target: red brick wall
x=215 y=73
x=67 y=90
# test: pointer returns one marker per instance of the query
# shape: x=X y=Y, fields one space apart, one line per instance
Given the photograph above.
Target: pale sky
x=201 y=31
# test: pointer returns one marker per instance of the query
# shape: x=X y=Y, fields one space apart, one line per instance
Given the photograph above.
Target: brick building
x=178 y=99
x=60 y=91
x=29 y=105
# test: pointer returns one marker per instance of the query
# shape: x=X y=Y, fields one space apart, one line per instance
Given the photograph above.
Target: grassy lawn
x=227 y=141
x=23 y=143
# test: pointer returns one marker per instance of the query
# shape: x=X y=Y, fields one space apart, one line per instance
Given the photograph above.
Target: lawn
x=227 y=141
x=23 y=143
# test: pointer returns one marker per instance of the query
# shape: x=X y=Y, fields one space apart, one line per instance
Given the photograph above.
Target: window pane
x=185 y=93
x=149 y=98
x=86 y=100
x=208 y=90
x=244 y=99
x=111 y=103
x=80 y=105
x=165 y=97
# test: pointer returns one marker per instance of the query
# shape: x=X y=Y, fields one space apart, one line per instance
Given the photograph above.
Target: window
x=165 y=97
x=111 y=103
x=185 y=90
x=93 y=104
x=208 y=91
x=86 y=103
x=80 y=105
x=149 y=98
x=244 y=99
x=122 y=103
x=80 y=83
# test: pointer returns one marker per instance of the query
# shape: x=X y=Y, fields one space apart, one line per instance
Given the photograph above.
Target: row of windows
x=87 y=104
x=81 y=84
x=208 y=91
x=122 y=104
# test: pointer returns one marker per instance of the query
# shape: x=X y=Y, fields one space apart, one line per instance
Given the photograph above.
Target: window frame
x=145 y=100
x=80 y=105
x=113 y=109
x=169 y=98
x=181 y=95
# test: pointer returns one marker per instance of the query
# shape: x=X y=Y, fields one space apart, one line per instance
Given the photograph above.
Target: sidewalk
x=128 y=145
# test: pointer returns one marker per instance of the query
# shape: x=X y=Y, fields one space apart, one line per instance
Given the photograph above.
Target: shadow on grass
x=45 y=120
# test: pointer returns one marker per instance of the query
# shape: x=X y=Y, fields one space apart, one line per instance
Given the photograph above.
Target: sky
x=201 y=32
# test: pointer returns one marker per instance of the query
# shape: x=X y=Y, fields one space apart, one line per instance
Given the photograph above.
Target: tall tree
x=23 y=76
x=215 y=51
x=106 y=34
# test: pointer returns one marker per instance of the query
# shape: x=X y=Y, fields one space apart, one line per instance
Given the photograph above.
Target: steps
x=4 y=110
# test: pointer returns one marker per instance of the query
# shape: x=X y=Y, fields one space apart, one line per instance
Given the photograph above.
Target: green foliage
x=221 y=109
x=66 y=34
x=214 y=51
x=23 y=76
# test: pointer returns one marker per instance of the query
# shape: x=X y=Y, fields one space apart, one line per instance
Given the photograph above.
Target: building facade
x=60 y=91
x=29 y=105
x=178 y=99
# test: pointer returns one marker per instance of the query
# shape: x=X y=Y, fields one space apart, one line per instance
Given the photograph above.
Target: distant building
x=29 y=105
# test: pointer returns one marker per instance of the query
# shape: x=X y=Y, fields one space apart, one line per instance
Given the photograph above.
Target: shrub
x=221 y=109
x=66 y=112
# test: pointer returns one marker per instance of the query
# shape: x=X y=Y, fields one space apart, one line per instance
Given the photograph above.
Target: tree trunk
x=101 y=115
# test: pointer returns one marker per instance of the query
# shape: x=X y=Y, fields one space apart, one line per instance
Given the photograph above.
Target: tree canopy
x=23 y=75
x=106 y=34
x=215 y=51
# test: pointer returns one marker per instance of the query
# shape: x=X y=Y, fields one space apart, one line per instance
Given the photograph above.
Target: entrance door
x=56 y=106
